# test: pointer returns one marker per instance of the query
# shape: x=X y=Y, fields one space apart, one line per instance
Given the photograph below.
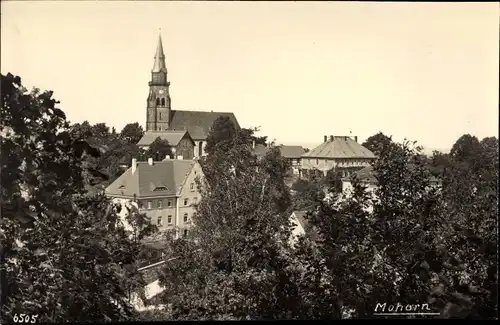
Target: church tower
x=158 y=103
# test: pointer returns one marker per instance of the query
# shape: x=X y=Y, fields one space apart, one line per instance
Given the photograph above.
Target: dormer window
x=122 y=187
x=161 y=188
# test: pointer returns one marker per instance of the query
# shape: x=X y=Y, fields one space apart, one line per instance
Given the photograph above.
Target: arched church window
x=163 y=102
x=157 y=102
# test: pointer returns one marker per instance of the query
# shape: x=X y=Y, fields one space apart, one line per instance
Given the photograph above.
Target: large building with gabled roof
x=166 y=191
x=341 y=153
x=160 y=117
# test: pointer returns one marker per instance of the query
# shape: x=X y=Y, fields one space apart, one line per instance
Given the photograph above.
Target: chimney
x=253 y=144
x=326 y=138
x=356 y=138
x=134 y=165
x=331 y=138
x=150 y=161
x=179 y=157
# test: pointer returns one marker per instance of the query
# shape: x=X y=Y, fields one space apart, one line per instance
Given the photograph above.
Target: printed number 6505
x=23 y=318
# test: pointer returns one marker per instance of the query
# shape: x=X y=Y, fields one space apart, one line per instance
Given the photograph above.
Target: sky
x=300 y=70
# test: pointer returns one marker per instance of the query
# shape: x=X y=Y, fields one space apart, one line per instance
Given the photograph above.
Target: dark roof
x=197 y=123
x=163 y=178
x=368 y=175
x=340 y=147
x=292 y=151
x=173 y=137
x=365 y=175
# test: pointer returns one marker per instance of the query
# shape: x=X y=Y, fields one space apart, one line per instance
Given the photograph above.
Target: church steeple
x=159 y=65
x=158 y=102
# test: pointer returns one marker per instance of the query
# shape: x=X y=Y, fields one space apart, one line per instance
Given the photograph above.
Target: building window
x=169 y=203
x=157 y=102
x=158 y=221
x=169 y=220
x=317 y=161
x=185 y=232
x=195 y=199
x=192 y=186
x=160 y=204
x=141 y=204
x=186 y=218
x=160 y=115
x=185 y=201
x=150 y=204
x=163 y=102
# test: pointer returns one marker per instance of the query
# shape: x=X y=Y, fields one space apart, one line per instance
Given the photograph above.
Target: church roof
x=197 y=123
x=162 y=178
x=173 y=137
x=339 y=147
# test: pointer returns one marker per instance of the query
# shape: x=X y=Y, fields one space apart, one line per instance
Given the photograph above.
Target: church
x=163 y=122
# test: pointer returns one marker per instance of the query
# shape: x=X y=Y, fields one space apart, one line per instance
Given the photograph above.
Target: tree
x=377 y=143
x=101 y=133
x=82 y=131
x=223 y=129
x=471 y=194
x=307 y=192
x=237 y=264
x=465 y=149
x=132 y=133
x=66 y=255
x=258 y=140
x=159 y=149
x=439 y=162
x=373 y=245
x=333 y=181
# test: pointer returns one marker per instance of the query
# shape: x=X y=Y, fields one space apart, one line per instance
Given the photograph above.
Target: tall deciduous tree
x=132 y=133
x=262 y=140
x=223 y=130
x=471 y=193
x=237 y=263
x=378 y=143
x=159 y=149
x=66 y=255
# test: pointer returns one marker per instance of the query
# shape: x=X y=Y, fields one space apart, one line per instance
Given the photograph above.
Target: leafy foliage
x=66 y=255
x=115 y=150
x=378 y=143
x=159 y=149
x=132 y=133
x=258 y=140
x=237 y=264
x=223 y=130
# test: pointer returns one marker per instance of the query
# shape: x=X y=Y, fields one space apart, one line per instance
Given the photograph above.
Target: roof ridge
x=187 y=110
x=185 y=177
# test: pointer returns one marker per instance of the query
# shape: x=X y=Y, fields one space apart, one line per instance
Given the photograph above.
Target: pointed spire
x=159 y=65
